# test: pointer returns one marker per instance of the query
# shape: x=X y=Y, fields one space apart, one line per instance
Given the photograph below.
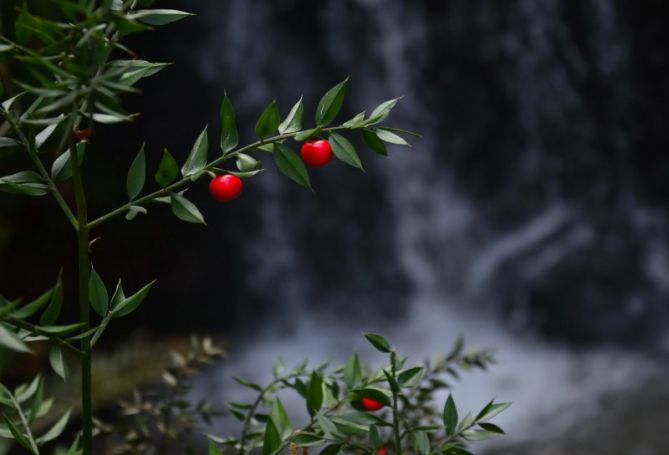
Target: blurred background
x=531 y=216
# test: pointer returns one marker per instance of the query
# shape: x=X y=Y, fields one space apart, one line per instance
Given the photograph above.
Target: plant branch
x=18 y=323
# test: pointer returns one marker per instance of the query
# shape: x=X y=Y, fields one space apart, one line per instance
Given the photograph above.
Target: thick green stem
x=83 y=255
x=396 y=414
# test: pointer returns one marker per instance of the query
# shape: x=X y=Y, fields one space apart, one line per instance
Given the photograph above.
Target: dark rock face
x=539 y=185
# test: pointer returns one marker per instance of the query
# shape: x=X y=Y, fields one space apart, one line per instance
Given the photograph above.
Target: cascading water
x=516 y=201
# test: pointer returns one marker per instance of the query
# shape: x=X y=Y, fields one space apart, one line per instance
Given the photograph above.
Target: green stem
x=83 y=255
x=183 y=182
x=396 y=415
x=34 y=156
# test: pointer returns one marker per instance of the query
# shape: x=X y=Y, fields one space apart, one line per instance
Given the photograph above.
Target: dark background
x=536 y=197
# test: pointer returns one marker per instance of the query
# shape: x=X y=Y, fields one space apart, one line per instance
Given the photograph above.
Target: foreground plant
x=69 y=72
x=354 y=409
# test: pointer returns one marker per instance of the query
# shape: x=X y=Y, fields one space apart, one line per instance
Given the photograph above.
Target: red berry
x=316 y=153
x=370 y=405
x=382 y=451
x=225 y=187
x=82 y=135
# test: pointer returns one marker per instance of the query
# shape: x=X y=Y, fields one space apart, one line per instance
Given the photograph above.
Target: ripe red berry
x=370 y=405
x=225 y=187
x=316 y=153
x=82 y=135
x=382 y=451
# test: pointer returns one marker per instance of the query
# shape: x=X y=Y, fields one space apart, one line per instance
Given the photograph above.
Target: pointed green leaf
x=33 y=307
x=271 y=440
x=381 y=111
x=249 y=384
x=58 y=362
x=130 y=304
x=330 y=104
x=185 y=210
x=379 y=342
x=229 y=135
x=291 y=165
x=18 y=435
x=293 y=121
x=268 y=121
x=136 y=175
x=61 y=169
x=97 y=292
x=491 y=410
x=213 y=448
x=52 y=312
x=450 y=415
x=167 y=171
x=197 y=159
x=411 y=377
x=315 y=393
x=344 y=150
x=11 y=341
x=246 y=163
x=157 y=16
x=306 y=134
x=281 y=420
x=374 y=437
x=390 y=137
x=56 y=430
x=373 y=142
x=352 y=371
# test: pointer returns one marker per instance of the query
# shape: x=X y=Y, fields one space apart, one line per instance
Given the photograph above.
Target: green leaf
x=271 y=440
x=130 y=304
x=352 y=371
x=290 y=164
x=197 y=159
x=332 y=449
x=411 y=377
x=117 y=297
x=373 y=142
x=355 y=122
x=330 y=104
x=479 y=435
x=214 y=449
x=249 y=384
x=12 y=342
x=229 y=135
x=268 y=121
x=390 y=137
x=18 y=435
x=135 y=210
x=421 y=442
x=58 y=362
x=9 y=143
x=167 y=171
x=306 y=134
x=491 y=410
x=56 y=430
x=307 y=439
x=293 y=121
x=157 y=16
x=315 y=393
x=45 y=134
x=381 y=111
x=246 y=163
x=281 y=420
x=61 y=169
x=52 y=312
x=28 y=183
x=136 y=175
x=33 y=307
x=185 y=210
x=344 y=150
x=379 y=342
x=491 y=427
x=374 y=437
x=328 y=427
x=450 y=415
x=97 y=292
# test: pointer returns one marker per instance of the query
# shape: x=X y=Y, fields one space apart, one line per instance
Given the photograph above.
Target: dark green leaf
x=352 y=371
x=290 y=164
x=281 y=420
x=130 y=304
x=373 y=142
x=157 y=16
x=268 y=121
x=214 y=449
x=56 y=430
x=307 y=134
x=450 y=415
x=421 y=442
x=229 y=135
x=381 y=111
x=491 y=410
x=271 y=440
x=249 y=384
x=136 y=175
x=491 y=427
x=332 y=449
x=18 y=435
x=12 y=342
x=61 y=169
x=379 y=342
x=307 y=440
x=293 y=121
x=167 y=171
x=315 y=393
x=344 y=150
x=28 y=183
x=330 y=104
x=52 y=312
x=197 y=159
x=58 y=362
x=185 y=210
x=374 y=437
x=33 y=307
x=97 y=293
x=411 y=377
